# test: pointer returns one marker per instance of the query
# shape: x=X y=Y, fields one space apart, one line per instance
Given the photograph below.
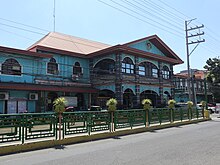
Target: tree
x=213 y=68
x=213 y=77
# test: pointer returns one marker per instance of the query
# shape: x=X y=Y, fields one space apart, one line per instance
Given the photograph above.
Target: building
x=63 y=65
x=198 y=86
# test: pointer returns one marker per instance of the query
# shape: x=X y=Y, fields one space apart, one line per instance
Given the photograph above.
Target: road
x=195 y=144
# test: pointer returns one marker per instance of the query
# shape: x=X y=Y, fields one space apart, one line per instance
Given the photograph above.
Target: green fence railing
x=23 y=127
x=10 y=127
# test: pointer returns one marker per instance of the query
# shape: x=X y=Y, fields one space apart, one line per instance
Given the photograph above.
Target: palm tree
x=59 y=105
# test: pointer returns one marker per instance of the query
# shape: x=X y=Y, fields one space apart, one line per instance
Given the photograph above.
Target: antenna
x=54 y=14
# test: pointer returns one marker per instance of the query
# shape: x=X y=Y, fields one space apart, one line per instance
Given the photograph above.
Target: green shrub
x=147 y=104
x=111 y=104
x=171 y=104
x=189 y=104
x=59 y=105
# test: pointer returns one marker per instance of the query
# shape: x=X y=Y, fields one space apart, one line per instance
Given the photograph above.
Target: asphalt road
x=196 y=144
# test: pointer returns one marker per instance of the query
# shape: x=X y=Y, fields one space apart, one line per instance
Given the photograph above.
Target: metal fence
x=24 y=127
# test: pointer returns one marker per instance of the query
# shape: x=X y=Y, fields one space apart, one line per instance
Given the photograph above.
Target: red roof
x=23 y=52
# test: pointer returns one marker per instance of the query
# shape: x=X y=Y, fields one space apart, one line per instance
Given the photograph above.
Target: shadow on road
x=60 y=147
x=116 y=137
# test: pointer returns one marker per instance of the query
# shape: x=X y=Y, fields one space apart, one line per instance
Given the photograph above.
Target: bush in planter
x=205 y=112
x=147 y=104
x=111 y=104
x=59 y=105
x=171 y=104
x=190 y=107
x=203 y=103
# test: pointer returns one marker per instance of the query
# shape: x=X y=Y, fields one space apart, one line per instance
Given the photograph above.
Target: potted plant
x=111 y=104
x=189 y=108
x=205 y=112
x=147 y=105
x=171 y=106
x=59 y=107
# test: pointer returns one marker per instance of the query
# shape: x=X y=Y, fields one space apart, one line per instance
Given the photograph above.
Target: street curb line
x=5 y=150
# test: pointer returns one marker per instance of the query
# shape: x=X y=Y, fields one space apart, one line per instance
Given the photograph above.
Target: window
x=127 y=66
x=154 y=71
x=77 y=69
x=52 y=67
x=148 y=69
x=142 y=70
x=166 y=72
x=11 y=67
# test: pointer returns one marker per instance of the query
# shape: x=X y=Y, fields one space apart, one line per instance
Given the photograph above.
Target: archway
x=128 y=97
x=105 y=66
x=80 y=101
x=103 y=96
x=51 y=96
x=149 y=94
x=167 y=96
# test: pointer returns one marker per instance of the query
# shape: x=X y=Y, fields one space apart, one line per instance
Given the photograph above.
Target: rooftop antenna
x=54 y=14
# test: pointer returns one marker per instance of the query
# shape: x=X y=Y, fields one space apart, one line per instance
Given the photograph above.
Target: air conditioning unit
x=75 y=77
x=4 y=96
x=33 y=96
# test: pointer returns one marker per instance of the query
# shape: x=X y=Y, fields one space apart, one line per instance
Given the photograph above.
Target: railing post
x=23 y=129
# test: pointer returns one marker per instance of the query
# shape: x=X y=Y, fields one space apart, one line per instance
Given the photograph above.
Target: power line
x=168 y=27
x=23 y=24
x=140 y=19
x=149 y=13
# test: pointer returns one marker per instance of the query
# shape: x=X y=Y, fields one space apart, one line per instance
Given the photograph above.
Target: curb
x=5 y=150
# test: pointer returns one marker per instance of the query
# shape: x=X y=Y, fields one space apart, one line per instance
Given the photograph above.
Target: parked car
x=212 y=108
x=70 y=109
x=95 y=108
x=217 y=108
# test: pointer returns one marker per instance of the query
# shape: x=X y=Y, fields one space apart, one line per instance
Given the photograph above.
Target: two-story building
x=63 y=65
x=197 y=86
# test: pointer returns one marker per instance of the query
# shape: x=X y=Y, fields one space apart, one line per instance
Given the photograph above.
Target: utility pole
x=196 y=39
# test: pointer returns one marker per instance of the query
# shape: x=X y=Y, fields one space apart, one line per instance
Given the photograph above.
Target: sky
x=23 y=22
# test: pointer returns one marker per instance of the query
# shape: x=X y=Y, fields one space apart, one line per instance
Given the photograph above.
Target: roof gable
x=147 y=46
x=153 y=44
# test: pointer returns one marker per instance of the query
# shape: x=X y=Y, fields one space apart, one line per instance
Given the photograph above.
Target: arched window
x=77 y=69
x=52 y=66
x=165 y=72
x=11 y=67
x=148 y=69
x=127 y=66
x=105 y=66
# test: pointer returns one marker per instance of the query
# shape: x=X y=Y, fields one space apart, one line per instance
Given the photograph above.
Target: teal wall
x=108 y=87
x=2 y=104
x=152 y=88
x=142 y=46
x=30 y=66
